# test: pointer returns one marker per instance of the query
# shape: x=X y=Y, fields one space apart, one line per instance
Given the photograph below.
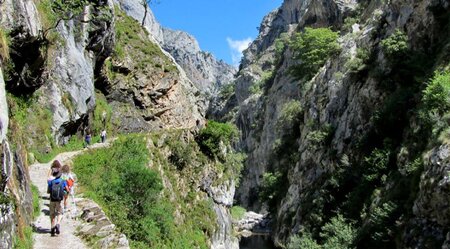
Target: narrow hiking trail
x=41 y=235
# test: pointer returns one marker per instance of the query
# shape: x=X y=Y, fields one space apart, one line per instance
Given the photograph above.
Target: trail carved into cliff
x=69 y=225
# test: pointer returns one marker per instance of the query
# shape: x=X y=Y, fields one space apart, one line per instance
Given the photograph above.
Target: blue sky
x=222 y=27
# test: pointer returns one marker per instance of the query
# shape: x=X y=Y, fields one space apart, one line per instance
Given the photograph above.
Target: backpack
x=57 y=190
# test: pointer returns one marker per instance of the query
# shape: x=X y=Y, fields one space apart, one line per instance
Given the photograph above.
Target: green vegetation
x=377 y=164
x=290 y=114
x=270 y=186
x=4 y=46
x=258 y=86
x=53 y=12
x=102 y=115
x=215 y=137
x=36 y=206
x=130 y=36
x=360 y=61
x=181 y=154
x=396 y=45
x=348 y=23
x=237 y=212
x=281 y=43
x=24 y=240
x=320 y=136
x=177 y=216
x=30 y=124
x=118 y=179
x=312 y=48
x=227 y=90
x=436 y=96
x=336 y=234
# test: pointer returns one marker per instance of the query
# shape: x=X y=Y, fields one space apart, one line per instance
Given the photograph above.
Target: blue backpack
x=57 y=190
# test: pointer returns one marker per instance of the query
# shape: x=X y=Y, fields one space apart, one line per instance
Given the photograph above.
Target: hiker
x=87 y=139
x=103 y=135
x=56 y=189
x=56 y=166
x=70 y=180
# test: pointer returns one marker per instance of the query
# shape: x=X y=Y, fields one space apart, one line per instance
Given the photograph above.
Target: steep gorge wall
x=339 y=126
x=59 y=76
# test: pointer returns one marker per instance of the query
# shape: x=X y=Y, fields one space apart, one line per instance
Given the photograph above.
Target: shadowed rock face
x=337 y=98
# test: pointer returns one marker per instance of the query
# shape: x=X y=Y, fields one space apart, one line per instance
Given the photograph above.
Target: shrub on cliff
x=436 y=96
x=118 y=178
x=312 y=48
x=213 y=135
x=396 y=45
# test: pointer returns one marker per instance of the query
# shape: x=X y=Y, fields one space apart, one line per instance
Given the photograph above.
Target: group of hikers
x=88 y=137
x=60 y=185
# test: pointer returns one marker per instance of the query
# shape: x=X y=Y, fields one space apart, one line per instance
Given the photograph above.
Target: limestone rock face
x=4 y=119
x=432 y=206
x=206 y=72
x=337 y=102
x=15 y=193
x=149 y=82
x=21 y=16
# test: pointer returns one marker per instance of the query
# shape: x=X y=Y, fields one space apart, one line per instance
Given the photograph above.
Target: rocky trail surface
x=70 y=223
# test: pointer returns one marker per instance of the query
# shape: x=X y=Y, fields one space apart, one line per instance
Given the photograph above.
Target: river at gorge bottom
x=256 y=242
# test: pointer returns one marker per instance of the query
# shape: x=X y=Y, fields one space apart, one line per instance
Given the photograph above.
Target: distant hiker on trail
x=56 y=189
x=87 y=139
x=70 y=180
x=56 y=166
x=103 y=136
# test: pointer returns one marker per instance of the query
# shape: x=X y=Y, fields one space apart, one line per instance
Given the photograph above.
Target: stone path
x=41 y=236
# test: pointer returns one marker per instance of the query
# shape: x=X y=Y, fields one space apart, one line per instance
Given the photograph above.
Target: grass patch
x=25 y=240
x=74 y=144
x=130 y=36
x=36 y=197
x=237 y=212
x=4 y=45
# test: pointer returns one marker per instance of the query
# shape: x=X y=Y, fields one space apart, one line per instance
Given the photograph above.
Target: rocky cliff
x=206 y=72
x=68 y=70
x=336 y=144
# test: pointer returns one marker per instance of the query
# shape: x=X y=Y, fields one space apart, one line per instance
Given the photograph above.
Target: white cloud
x=236 y=47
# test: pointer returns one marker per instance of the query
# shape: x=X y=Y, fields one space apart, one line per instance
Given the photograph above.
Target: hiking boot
x=57 y=229
x=52 y=231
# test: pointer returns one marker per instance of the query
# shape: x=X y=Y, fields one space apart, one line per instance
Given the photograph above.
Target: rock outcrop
x=96 y=226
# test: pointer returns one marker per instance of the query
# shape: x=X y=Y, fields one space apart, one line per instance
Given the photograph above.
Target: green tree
x=312 y=48
x=396 y=45
x=61 y=10
x=213 y=135
x=436 y=96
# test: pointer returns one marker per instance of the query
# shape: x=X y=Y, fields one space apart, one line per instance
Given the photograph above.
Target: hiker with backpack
x=56 y=166
x=56 y=188
x=70 y=180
